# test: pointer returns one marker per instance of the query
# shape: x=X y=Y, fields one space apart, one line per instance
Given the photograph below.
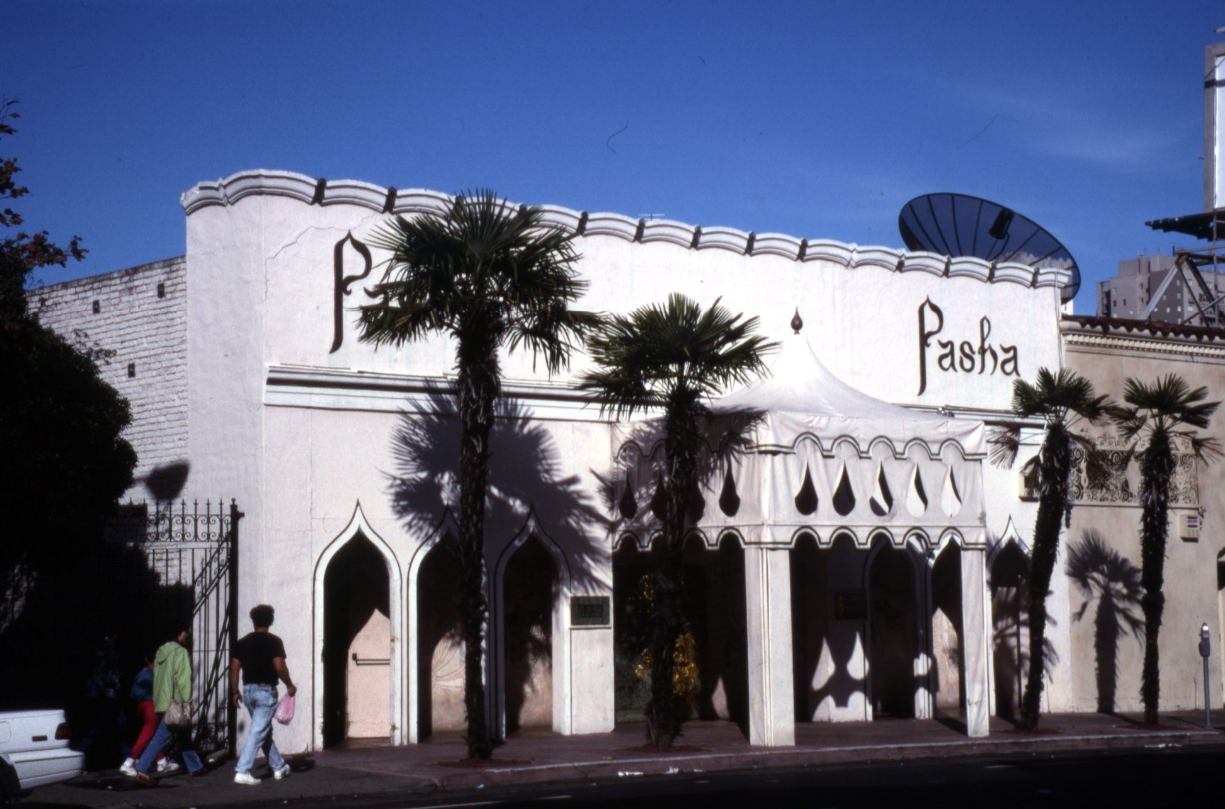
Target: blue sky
x=815 y=119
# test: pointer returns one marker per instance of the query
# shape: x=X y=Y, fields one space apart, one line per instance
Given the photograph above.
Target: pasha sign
x=971 y=354
x=941 y=351
x=342 y=285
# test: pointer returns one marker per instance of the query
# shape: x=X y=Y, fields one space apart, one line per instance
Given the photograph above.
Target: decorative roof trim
x=1142 y=336
x=323 y=192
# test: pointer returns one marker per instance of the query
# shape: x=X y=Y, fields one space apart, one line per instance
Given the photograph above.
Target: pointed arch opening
x=358 y=620
x=715 y=611
x=947 y=676
x=631 y=610
x=531 y=591
x=712 y=678
x=1009 y=585
x=439 y=645
x=895 y=644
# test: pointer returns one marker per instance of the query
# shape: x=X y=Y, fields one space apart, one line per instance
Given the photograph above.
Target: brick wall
x=139 y=314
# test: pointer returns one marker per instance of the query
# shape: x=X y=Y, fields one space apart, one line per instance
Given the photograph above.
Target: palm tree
x=1058 y=399
x=1161 y=412
x=1101 y=572
x=672 y=356
x=490 y=276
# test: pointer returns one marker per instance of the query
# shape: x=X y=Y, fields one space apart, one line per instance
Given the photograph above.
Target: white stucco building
x=849 y=573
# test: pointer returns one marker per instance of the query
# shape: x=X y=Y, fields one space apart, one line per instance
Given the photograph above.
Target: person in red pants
x=142 y=695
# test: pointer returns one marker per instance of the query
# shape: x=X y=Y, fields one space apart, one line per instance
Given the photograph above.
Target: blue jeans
x=162 y=738
x=261 y=704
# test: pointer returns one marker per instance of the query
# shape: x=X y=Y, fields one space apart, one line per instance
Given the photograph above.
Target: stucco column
x=767 y=592
x=975 y=647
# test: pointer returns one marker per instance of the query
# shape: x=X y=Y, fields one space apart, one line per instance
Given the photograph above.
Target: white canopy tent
x=815 y=456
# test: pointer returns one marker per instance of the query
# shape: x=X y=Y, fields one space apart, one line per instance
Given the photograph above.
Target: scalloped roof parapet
x=1013 y=273
x=969 y=267
x=777 y=244
x=611 y=224
x=1052 y=277
x=724 y=238
x=884 y=257
x=311 y=191
x=920 y=261
x=667 y=230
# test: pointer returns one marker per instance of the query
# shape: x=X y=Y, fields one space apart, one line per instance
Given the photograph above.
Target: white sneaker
x=166 y=766
x=128 y=767
x=246 y=779
x=282 y=773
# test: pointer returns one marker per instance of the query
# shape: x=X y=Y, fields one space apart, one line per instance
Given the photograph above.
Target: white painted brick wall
x=145 y=331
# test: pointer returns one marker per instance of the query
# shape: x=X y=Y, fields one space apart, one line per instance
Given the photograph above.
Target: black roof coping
x=1155 y=327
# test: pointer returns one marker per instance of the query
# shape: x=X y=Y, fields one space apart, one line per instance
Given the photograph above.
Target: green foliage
x=484 y=272
x=22 y=252
x=673 y=355
x=1156 y=415
x=64 y=463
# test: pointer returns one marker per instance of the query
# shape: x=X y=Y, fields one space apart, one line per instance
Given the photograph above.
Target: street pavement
x=533 y=764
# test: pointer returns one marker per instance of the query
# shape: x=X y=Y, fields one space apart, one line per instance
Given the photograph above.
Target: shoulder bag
x=178 y=715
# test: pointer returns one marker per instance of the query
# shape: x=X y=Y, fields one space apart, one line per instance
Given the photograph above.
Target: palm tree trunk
x=478 y=389
x=668 y=618
x=1053 y=476
x=1156 y=472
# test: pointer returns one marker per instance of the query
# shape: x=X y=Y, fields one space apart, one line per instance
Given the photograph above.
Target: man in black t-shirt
x=260 y=656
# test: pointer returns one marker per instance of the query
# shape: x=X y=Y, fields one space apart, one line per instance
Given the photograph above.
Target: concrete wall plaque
x=590 y=611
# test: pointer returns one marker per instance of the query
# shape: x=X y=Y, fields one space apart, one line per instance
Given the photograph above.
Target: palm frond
x=1005 y=444
x=483 y=270
x=1206 y=448
x=673 y=353
x=1056 y=395
x=1166 y=407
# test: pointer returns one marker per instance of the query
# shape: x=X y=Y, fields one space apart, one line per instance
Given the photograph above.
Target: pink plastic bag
x=284 y=710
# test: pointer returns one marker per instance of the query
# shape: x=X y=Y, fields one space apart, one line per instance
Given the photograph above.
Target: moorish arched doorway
x=358 y=679
x=895 y=641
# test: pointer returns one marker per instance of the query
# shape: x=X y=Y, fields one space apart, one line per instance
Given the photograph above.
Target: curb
x=684 y=763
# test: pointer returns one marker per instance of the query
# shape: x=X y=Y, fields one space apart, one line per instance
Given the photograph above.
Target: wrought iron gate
x=190 y=573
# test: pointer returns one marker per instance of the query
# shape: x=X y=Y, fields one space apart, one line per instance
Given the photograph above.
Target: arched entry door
x=357 y=649
x=440 y=645
x=1010 y=630
x=893 y=628
x=712 y=679
x=358 y=677
x=947 y=636
x=530 y=593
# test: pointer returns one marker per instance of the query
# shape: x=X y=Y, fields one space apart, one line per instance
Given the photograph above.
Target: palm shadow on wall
x=526 y=478
x=1102 y=573
x=1009 y=584
x=816 y=634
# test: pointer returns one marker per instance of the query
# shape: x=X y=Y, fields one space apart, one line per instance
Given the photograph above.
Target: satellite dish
x=962 y=225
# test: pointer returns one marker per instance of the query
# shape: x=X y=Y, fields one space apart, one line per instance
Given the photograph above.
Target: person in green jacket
x=171 y=681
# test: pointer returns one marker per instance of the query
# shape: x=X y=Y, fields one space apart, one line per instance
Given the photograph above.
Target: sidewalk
x=542 y=757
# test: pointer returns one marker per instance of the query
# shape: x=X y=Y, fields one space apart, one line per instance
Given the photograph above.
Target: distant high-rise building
x=1186 y=287
x=1155 y=288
